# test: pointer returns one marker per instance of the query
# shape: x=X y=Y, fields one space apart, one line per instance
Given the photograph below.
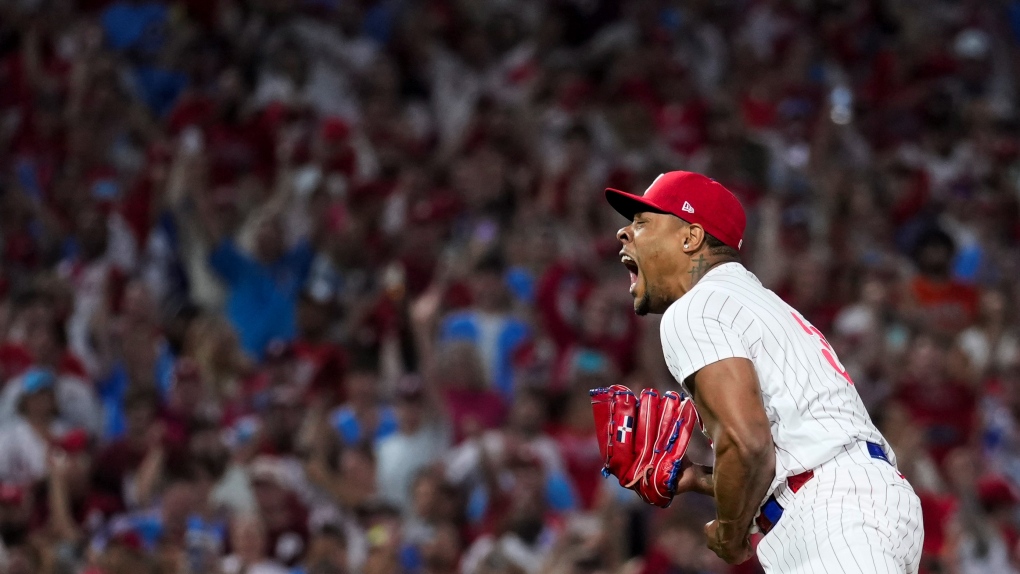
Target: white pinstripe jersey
x=812 y=405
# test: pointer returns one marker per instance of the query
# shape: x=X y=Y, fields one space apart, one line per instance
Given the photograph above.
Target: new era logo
x=687 y=207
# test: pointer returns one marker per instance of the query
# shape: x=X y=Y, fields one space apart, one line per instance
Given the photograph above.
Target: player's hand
x=734 y=550
x=696 y=478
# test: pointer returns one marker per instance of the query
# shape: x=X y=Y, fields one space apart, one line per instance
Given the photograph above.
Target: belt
x=771 y=511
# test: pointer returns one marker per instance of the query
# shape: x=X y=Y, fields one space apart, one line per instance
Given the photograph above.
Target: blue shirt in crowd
x=261 y=299
x=351 y=431
x=495 y=336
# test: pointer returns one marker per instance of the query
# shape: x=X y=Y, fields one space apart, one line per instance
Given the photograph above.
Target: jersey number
x=826 y=348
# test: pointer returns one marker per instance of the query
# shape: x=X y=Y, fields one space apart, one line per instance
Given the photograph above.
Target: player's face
x=652 y=253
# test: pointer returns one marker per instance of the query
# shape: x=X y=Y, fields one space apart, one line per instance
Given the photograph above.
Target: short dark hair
x=933 y=237
x=716 y=247
x=333 y=530
x=492 y=263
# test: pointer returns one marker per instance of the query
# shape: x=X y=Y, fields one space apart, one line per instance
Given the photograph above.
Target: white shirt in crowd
x=23 y=451
x=400 y=457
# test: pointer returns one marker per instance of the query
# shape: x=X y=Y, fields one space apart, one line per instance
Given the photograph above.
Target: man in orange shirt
x=935 y=300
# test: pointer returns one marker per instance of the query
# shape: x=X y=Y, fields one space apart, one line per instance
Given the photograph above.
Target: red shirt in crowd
x=583 y=462
x=683 y=125
x=945 y=411
x=473 y=410
x=15 y=359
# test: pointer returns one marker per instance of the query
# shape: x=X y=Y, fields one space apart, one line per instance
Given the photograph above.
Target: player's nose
x=623 y=235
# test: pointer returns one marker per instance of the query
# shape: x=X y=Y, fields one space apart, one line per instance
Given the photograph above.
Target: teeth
x=626 y=259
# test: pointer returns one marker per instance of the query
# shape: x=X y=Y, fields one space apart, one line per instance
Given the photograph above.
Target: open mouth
x=632 y=268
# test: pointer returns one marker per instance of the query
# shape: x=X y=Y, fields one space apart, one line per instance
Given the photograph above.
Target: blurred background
x=319 y=286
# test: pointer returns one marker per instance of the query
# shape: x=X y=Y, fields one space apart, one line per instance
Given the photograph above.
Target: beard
x=643 y=304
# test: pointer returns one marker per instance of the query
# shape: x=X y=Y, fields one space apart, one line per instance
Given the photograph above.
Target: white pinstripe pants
x=856 y=515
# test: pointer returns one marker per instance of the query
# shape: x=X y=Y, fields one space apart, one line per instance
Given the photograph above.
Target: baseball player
x=797 y=456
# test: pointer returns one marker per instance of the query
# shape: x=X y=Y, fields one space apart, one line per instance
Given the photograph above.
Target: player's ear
x=693 y=236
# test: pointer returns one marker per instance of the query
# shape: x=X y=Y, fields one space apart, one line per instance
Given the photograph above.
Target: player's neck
x=701 y=264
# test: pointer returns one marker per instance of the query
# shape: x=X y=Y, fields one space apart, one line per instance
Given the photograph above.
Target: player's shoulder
x=723 y=291
x=729 y=281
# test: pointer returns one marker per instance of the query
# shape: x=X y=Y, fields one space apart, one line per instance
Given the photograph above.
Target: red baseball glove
x=643 y=441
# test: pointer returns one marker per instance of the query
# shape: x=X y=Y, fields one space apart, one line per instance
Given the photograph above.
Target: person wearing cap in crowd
x=76 y=402
x=285 y=518
x=25 y=440
x=420 y=439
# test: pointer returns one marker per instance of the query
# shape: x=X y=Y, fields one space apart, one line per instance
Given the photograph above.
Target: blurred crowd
x=319 y=286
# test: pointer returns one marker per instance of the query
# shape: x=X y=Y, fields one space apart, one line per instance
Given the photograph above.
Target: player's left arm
x=730 y=406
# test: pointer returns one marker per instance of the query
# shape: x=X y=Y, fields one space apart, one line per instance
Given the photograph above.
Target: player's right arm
x=730 y=407
x=706 y=352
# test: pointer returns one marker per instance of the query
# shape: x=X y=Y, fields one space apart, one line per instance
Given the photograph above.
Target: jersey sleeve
x=698 y=330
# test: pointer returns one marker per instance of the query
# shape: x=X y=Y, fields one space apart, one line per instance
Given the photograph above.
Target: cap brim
x=628 y=204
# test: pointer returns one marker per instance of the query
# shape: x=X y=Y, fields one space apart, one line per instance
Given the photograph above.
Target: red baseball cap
x=74 y=441
x=692 y=197
x=996 y=492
